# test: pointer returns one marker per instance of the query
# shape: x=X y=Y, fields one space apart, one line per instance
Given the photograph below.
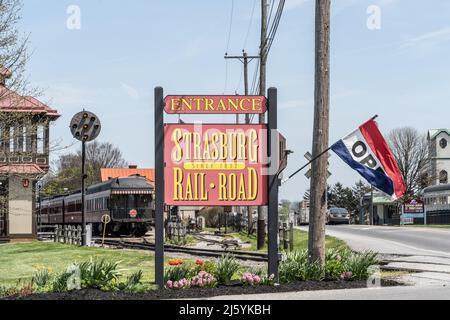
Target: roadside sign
x=215 y=104
x=105 y=220
x=416 y=207
x=308 y=174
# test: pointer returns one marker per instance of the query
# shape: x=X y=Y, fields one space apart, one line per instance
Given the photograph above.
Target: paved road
x=394 y=240
x=424 y=250
x=400 y=293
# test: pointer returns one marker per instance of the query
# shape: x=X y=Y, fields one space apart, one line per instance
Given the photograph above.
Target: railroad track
x=241 y=255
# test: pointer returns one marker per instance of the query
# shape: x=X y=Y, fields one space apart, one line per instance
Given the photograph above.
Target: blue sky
x=124 y=49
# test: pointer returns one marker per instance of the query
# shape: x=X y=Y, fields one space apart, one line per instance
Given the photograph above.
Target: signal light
x=85 y=115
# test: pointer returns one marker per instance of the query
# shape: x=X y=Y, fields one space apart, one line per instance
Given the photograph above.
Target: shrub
x=204 y=280
x=359 y=263
x=99 y=274
x=180 y=284
x=59 y=283
x=41 y=278
x=133 y=283
x=176 y=273
x=226 y=267
x=19 y=290
x=250 y=279
x=207 y=266
x=339 y=265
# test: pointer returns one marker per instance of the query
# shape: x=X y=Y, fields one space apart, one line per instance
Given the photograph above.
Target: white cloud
x=429 y=38
x=132 y=92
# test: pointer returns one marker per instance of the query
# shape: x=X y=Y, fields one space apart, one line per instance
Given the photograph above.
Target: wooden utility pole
x=261 y=228
x=318 y=202
x=245 y=59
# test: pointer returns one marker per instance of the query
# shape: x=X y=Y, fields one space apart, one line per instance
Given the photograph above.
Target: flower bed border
x=194 y=293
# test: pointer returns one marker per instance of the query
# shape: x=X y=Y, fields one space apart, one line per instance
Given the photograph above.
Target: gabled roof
x=433 y=133
x=10 y=101
x=108 y=173
x=21 y=169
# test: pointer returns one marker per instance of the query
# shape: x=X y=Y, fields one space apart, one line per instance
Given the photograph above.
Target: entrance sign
x=215 y=165
x=215 y=104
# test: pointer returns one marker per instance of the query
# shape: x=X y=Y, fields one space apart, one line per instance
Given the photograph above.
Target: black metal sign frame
x=273 y=187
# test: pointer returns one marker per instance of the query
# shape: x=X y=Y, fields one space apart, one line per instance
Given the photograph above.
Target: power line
x=274 y=27
x=250 y=24
x=228 y=45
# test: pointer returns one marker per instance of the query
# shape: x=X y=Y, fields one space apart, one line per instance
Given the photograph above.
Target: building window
x=40 y=140
x=443 y=143
x=443 y=177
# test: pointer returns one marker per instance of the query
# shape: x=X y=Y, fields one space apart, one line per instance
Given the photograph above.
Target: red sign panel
x=215 y=165
x=215 y=104
x=133 y=213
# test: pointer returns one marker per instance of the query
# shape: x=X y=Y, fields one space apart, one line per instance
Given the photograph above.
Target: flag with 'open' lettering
x=366 y=151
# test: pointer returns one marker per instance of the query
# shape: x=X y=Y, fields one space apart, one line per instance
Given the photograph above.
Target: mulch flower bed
x=192 y=293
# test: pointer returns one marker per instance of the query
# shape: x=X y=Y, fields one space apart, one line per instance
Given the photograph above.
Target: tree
x=67 y=169
x=285 y=209
x=411 y=152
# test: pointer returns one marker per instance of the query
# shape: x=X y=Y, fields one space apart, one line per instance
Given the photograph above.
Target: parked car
x=338 y=215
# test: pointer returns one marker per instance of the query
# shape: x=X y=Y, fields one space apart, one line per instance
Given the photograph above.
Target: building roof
x=111 y=173
x=437 y=188
x=432 y=134
x=10 y=101
x=133 y=185
x=21 y=169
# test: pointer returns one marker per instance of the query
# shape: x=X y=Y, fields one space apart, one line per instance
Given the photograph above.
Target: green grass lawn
x=21 y=261
x=442 y=226
x=300 y=241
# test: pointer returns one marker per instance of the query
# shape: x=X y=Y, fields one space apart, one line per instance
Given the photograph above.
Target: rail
x=241 y=255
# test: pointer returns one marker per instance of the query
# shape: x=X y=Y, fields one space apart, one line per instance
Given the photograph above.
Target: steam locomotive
x=128 y=202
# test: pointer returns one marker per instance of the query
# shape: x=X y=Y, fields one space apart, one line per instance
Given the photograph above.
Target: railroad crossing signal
x=309 y=157
x=85 y=126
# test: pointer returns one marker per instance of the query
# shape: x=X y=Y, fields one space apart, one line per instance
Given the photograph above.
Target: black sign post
x=85 y=126
x=273 y=183
x=159 y=187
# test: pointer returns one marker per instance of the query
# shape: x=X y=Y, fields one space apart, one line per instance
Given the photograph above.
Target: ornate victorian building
x=24 y=159
x=439 y=150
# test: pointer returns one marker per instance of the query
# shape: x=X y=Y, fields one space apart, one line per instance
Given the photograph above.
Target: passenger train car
x=128 y=201
x=437 y=204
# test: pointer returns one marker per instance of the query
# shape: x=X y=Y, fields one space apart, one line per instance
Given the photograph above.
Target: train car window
x=143 y=201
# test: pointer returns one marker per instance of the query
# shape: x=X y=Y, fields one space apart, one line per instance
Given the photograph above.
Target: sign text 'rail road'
x=215 y=165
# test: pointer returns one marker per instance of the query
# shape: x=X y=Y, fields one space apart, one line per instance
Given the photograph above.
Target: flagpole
x=315 y=158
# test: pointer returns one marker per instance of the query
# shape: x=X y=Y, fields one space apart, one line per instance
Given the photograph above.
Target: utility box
x=89 y=235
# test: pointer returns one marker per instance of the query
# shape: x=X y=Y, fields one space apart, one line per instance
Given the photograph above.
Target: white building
x=439 y=149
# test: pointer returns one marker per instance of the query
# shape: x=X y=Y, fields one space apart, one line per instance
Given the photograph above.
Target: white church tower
x=439 y=149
